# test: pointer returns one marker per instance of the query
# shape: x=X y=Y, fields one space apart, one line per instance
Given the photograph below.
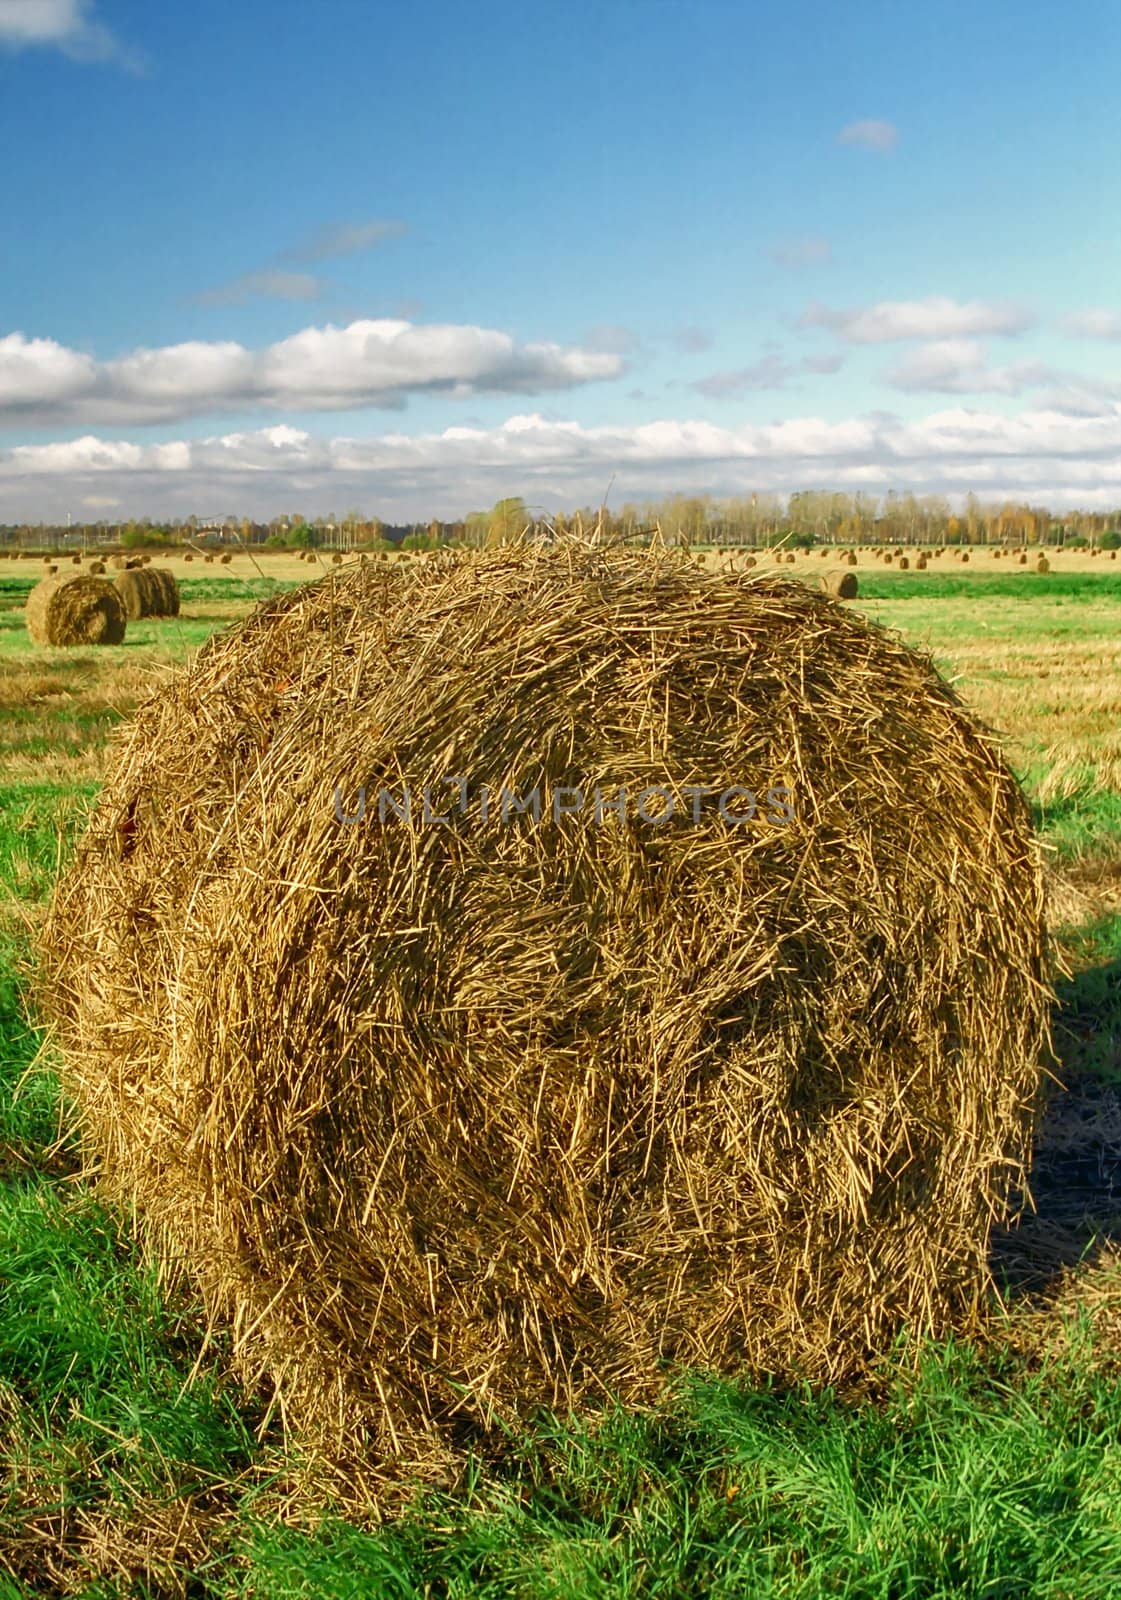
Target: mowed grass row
x=134 y=1465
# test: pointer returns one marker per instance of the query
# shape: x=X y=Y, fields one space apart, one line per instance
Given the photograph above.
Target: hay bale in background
x=226 y=558
x=148 y=592
x=51 y=569
x=188 y=555
x=573 y=1098
x=921 y=564
x=337 y=559
x=97 y=569
x=904 y=563
x=840 y=583
x=118 y=563
x=1042 y=564
x=75 y=610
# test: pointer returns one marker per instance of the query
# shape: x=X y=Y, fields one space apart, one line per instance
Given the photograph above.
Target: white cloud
x=870 y=134
x=1047 y=455
x=1095 y=323
x=35 y=372
x=936 y=317
x=810 y=250
x=961 y=366
x=71 y=26
x=367 y=363
x=340 y=239
x=272 y=284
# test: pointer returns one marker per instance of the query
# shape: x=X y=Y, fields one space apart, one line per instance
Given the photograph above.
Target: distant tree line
x=808 y=517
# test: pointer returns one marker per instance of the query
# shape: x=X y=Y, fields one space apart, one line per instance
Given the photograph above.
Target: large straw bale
x=148 y=592
x=75 y=610
x=451 y=1119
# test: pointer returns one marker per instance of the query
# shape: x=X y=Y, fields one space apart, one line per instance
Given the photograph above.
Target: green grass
x=988 y=1473
x=1022 y=584
x=971 y=1479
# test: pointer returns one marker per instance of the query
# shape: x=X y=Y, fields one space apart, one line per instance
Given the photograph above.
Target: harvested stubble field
x=135 y=1464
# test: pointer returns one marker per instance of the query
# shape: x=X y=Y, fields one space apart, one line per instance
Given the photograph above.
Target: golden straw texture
x=452 y=1119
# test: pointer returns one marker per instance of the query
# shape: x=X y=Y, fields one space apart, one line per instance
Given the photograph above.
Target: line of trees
x=807 y=517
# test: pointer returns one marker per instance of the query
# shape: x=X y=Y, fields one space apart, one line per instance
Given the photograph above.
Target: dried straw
x=453 y=1119
x=148 y=592
x=75 y=610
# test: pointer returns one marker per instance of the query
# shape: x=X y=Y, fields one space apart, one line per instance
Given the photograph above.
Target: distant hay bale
x=449 y=1121
x=337 y=559
x=965 y=555
x=1042 y=564
x=75 y=561
x=209 y=560
x=97 y=569
x=75 y=610
x=1023 y=558
x=226 y=558
x=148 y=592
x=52 y=568
x=904 y=563
x=851 y=560
x=118 y=563
x=921 y=564
x=188 y=555
x=840 y=583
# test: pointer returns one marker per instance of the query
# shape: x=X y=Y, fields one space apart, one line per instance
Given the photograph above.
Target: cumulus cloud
x=936 y=317
x=271 y=284
x=71 y=26
x=961 y=366
x=340 y=239
x=1043 y=454
x=366 y=363
x=811 y=250
x=870 y=134
x=1098 y=322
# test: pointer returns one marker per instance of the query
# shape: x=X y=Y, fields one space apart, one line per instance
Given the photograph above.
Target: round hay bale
x=965 y=555
x=148 y=592
x=904 y=563
x=188 y=555
x=52 y=568
x=1042 y=564
x=850 y=559
x=226 y=558
x=337 y=559
x=118 y=563
x=135 y=591
x=97 y=569
x=921 y=564
x=453 y=1119
x=209 y=560
x=1023 y=559
x=75 y=610
x=840 y=583
x=75 y=561
x=167 y=592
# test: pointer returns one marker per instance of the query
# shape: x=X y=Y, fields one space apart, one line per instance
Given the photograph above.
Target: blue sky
x=412 y=259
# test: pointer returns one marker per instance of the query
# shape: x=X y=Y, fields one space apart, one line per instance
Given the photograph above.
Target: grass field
x=134 y=1465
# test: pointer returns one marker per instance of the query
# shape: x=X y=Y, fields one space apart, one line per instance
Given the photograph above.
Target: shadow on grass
x=1076 y=1168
